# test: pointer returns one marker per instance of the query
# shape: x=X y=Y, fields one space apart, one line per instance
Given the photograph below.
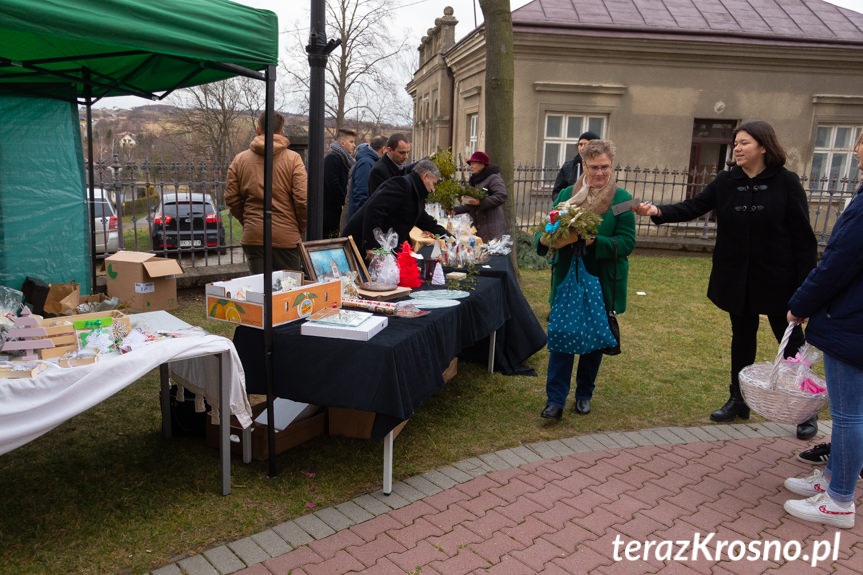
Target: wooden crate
x=61 y=330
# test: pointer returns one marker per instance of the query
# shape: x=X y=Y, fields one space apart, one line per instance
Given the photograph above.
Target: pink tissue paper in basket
x=810 y=386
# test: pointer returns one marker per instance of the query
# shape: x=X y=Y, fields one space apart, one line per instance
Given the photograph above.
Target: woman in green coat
x=597 y=191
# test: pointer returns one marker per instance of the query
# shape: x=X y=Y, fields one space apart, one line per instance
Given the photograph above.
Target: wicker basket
x=772 y=389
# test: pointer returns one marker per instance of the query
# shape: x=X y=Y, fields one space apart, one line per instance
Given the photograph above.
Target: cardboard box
x=288 y=305
x=363 y=332
x=358 y=424
x=143 y=281
x=296 y=433
x=355 y=423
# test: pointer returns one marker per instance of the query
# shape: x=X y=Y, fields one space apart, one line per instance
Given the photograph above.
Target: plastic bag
x=10 y=301
x=578 y=323
x=383 y=267
x=500 y=246
x=795 y=373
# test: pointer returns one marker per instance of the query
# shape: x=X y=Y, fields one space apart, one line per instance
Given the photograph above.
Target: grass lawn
x=104 y=493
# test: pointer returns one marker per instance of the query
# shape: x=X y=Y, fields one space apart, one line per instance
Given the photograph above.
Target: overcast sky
x=413 y=16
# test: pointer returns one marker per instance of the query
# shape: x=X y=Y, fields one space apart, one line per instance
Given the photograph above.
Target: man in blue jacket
x=367 y=155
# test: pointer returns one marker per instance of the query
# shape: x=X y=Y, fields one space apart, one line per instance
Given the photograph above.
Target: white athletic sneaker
x=821 y=509
x=808 y=486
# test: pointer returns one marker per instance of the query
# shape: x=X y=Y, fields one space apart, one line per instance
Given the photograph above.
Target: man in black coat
x=571 y=170
x=337 y=167
x=392 y=162
x=399 y=204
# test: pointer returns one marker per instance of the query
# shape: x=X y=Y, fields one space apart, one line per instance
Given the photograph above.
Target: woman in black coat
x=764 y=249
x=487 y=213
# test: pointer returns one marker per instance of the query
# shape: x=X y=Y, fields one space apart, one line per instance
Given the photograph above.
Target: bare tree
x=362 y=73
x=216 y=119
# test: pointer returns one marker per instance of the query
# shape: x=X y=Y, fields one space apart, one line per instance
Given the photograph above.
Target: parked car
x=187 y=222
x=104 y=224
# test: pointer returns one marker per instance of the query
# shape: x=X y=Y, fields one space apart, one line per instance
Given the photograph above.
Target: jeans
x=560 y=376
x=845 y=387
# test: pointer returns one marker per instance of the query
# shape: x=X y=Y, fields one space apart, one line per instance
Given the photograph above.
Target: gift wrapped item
x=383 y=267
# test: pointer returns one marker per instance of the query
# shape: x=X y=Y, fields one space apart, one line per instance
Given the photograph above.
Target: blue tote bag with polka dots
x=578 y=323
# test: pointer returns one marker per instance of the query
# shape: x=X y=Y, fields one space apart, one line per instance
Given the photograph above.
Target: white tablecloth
x=31 y=407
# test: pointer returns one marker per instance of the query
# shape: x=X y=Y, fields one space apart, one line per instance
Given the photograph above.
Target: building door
x=710 y=144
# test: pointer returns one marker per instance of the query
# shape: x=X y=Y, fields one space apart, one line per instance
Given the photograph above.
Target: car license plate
x=190 y=243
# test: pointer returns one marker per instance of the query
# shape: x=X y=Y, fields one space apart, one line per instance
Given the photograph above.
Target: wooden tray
x=384 y=295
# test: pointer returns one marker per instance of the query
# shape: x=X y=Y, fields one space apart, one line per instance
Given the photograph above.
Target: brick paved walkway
x=565 y=507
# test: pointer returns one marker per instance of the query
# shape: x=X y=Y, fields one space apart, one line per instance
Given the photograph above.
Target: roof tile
x=803 y=20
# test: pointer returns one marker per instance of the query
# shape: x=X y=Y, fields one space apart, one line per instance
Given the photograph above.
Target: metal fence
x=142 y=185
x=532 y=199
x=140 y=188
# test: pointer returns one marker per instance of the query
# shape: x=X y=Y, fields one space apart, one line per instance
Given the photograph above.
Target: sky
x=415 y=16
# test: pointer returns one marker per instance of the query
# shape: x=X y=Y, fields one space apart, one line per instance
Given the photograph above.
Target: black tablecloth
x=521 y=336
x=392 y=374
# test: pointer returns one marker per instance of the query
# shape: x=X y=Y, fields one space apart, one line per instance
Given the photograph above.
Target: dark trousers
x=559 y=380
x=283 y=259
x=744 y=331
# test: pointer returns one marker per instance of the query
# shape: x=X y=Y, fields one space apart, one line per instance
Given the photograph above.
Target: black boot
x=808 y=428
x=734 y=407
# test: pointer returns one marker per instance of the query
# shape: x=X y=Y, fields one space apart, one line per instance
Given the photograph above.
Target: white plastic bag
x=383 y=267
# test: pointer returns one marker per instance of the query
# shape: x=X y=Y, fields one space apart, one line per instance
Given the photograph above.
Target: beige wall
x=653 y=90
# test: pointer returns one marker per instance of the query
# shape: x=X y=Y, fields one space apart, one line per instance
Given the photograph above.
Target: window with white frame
x=473 y=127
x=560 y=140
x=832 y=158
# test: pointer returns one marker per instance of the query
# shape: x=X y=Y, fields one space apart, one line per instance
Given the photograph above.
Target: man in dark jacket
x=571 y=170
x=337 y=166
x=392 y=162
x=398 y=204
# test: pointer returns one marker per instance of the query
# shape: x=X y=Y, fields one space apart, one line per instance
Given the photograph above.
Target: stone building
x=667 y=80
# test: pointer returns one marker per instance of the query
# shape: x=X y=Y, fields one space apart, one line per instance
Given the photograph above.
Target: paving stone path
x=668 y=500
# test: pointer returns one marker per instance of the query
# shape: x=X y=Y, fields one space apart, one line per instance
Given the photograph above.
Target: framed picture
x=336 y=256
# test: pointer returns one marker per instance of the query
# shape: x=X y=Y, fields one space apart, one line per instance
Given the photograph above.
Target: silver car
x=105 y=225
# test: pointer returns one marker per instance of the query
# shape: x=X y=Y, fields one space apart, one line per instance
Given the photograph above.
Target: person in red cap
x=487 y=213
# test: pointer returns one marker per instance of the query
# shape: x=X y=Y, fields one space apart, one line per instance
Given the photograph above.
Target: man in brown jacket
x=244 y=196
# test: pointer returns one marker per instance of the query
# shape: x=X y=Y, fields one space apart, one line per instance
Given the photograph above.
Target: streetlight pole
x=318 y=50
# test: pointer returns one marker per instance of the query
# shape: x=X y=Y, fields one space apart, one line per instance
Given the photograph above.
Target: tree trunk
x=499 y=106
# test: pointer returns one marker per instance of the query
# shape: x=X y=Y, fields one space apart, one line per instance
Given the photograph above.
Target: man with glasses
x=399 y=204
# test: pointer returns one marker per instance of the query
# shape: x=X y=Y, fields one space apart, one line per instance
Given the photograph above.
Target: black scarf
x=486 y=172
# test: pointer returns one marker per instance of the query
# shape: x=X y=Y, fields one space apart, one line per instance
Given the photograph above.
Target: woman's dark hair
x=763 y=133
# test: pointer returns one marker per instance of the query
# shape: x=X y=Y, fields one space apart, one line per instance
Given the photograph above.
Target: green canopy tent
x=56 y=54
x=89 y=49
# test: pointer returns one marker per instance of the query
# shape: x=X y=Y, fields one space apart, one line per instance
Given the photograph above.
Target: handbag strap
x=614 y=277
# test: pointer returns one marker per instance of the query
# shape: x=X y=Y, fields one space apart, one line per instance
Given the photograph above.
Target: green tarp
x=132 y=46
x=44 y=231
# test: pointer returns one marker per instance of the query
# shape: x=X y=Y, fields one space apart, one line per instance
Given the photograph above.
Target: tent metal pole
x=318 y=50
x=91 y=181
x=270 y=78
